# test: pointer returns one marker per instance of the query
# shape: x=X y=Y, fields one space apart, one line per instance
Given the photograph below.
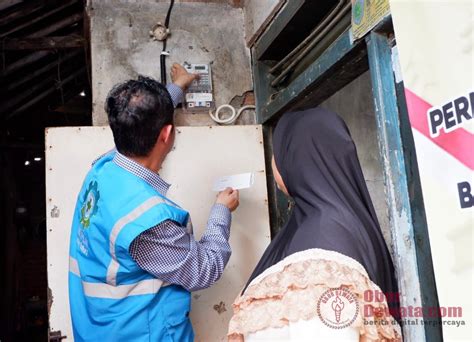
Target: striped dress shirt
x=169 y=251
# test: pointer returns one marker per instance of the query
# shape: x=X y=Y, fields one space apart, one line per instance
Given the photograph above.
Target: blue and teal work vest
x=111 y=297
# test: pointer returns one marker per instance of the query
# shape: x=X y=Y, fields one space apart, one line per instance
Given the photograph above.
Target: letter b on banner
x=465 y=195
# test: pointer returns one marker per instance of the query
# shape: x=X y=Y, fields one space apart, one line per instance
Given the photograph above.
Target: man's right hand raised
x=229 y=198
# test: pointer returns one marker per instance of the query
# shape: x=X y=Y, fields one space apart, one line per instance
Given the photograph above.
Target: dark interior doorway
x=45 y=81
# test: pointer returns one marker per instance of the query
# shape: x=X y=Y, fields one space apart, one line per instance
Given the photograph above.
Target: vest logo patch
x=89 y=206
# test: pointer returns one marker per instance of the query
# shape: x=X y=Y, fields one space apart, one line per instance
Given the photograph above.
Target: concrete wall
x=354 y=103
x=209 y=32
x=214 y=33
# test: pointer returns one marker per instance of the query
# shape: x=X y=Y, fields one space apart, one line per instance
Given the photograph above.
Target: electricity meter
x=199 y=95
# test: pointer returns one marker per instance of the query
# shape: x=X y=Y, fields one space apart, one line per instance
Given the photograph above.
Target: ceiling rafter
x=37 y=72
x=44 y=43
x=43 y=53
x=38 y=18
x=20 y=10
x=47 y=92
x=57 y=25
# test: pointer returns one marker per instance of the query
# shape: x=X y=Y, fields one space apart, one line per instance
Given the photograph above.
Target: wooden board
x=201 y=154
x=258 y=15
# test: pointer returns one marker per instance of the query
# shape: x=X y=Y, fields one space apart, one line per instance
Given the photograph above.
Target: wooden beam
x=272 y=102
x=31 y=58
x=20 y=81
x=21 y=12
x=260 y=30
x=44 y=43
x=44 y=94
x=415 y=279
x=278 y=24
x=21 y=97
x=47 y=83
x=5 y=4
x=38 y=18
x=57 y=26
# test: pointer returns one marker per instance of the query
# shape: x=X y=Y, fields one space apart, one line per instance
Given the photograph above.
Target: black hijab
x=317 y=159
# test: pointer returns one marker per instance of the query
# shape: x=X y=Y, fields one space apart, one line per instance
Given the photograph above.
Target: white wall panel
x=201 y=154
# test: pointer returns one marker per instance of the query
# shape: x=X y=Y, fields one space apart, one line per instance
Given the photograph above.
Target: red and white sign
x=435 y=41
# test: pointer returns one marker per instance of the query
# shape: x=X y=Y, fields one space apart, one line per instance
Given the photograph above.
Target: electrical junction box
x=199 y=95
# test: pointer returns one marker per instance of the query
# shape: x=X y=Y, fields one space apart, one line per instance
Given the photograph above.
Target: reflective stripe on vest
x=111 y=289
x=119 y=225
x=103 y=290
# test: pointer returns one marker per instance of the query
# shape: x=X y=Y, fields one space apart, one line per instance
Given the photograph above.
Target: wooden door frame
x=342 y=62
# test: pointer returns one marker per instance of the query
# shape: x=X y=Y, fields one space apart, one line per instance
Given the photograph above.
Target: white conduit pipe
x=232 y=118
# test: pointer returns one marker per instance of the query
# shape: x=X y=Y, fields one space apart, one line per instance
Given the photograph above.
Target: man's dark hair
x=137 y=111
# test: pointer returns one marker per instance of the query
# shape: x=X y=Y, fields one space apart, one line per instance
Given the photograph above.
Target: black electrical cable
x=163 y=56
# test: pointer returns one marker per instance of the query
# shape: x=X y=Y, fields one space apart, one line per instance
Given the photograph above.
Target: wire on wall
x=164 y=53
x=233 y=116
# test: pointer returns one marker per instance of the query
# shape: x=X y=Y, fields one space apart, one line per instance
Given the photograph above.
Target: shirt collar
x=142 y=172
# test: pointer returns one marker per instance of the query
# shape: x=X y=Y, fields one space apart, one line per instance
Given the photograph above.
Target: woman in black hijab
x=331 y=241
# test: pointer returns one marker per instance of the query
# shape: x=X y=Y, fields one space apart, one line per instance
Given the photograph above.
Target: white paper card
x=240 y=181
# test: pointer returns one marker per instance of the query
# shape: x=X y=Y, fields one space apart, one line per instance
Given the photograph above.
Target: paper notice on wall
x=240 y=181
x=366 y=14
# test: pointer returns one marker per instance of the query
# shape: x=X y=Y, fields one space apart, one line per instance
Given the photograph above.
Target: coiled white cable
x=232 y=118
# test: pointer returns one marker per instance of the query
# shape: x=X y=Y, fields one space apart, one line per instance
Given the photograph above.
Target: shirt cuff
x=221 y=214
x=176 y=93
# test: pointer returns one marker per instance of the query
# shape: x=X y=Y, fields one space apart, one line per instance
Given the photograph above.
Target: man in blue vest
x=133 y=257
